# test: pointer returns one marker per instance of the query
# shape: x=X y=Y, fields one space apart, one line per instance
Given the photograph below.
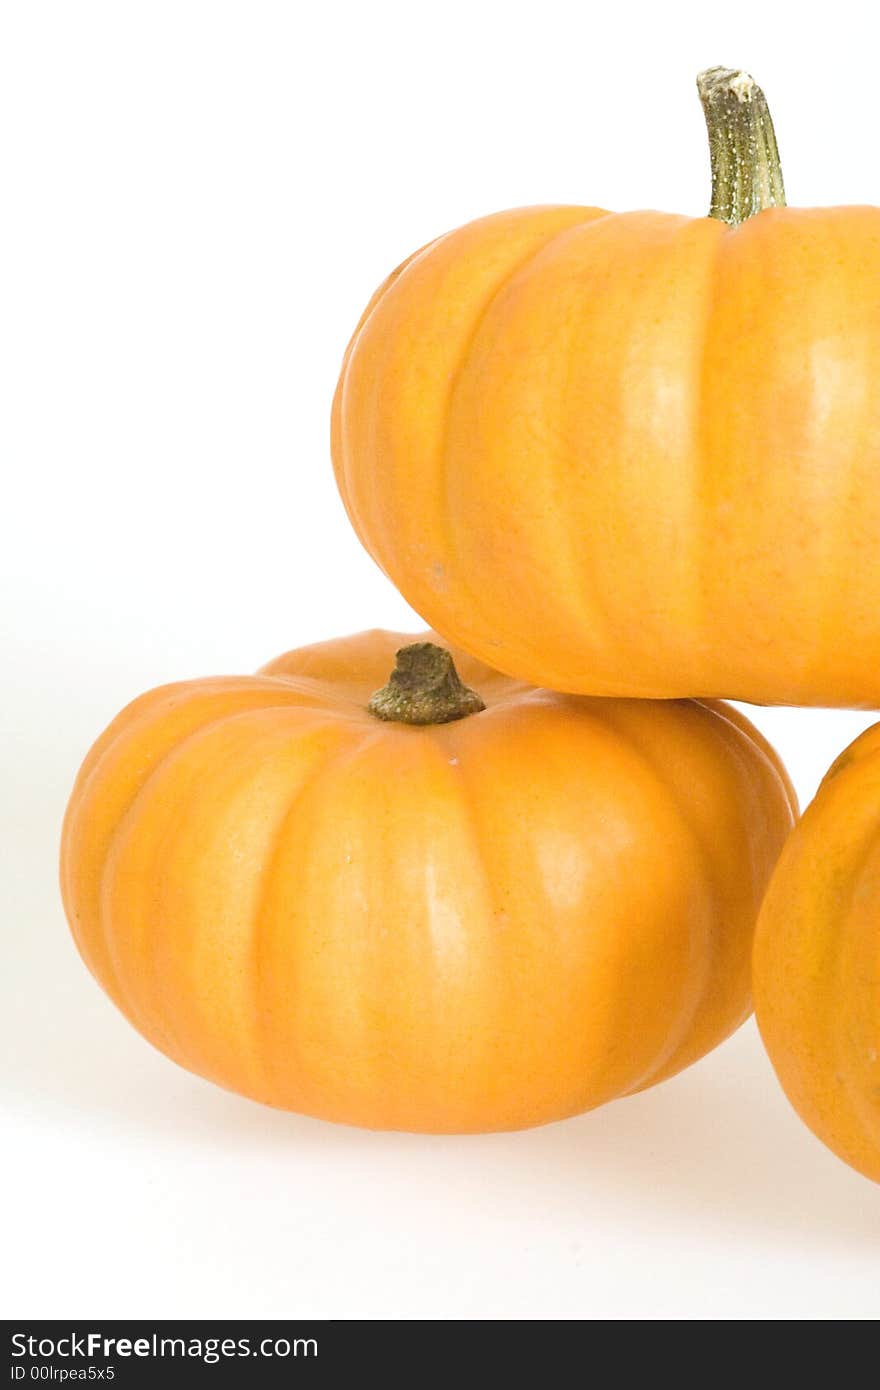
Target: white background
x=198 y=200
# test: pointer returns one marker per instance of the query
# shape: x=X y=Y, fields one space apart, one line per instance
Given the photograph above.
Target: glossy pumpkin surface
x=476 y=925
x=632 y=453
x=817 y=961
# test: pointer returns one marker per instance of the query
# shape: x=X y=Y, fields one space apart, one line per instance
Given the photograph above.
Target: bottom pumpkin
x=817 y=961
x=430 y=910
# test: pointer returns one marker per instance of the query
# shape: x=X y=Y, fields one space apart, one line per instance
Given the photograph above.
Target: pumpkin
x=430 y=909
x=635 y=454
x=817 y=961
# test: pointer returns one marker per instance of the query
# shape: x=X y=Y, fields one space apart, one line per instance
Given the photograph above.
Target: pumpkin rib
x=600 y=610
x=534 y=401
x=250 y=1010
x=337 y=441
x=101 y=931
x=406 y=453
x=474 y=596
x=497 y=906
x=139 y=712
x=123 y=995
x=737 y=745
x=691 y=1002
x=626 y=748
x=156 y=1025
x=664 y=1066
x=137 y=717
x=130 y=715
x=126 y=997
x=270 y=1063
x=837 y=525
x=512 y=273
x=143 y=956
x=367 y=994
x=478 y=922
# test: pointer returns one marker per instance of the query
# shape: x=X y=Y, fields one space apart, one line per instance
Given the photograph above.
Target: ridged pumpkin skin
x=479 y=925
x=631 y=454
x=817 y=961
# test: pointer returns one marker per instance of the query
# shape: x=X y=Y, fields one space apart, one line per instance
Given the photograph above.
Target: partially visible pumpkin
x=480 y=924
x=635 y=454
x=817 y=961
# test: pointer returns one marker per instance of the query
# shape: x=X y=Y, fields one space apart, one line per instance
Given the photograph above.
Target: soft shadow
x=716 y=1149
x=718 y=1145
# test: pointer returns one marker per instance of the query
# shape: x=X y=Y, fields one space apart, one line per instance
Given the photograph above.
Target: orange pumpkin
x=817 y=961
x=495 y=916
x=635 y=454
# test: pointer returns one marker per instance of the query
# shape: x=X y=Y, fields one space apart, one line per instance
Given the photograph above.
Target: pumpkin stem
x=424 y=688
x=746 y=173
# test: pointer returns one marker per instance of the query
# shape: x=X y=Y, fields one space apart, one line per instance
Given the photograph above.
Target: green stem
x=746 y=173
x=424 y=688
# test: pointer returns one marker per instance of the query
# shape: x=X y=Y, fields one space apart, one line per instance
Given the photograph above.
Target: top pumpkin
x=639 y=453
